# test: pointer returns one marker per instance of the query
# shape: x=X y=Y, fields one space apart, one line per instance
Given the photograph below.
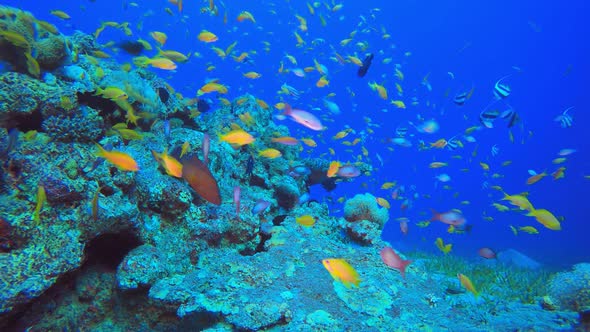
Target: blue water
x=478 y=43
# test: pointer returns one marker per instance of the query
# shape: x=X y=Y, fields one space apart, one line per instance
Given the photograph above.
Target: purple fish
x=260 y=206
x=237 y=192
x=304 y=118
x=348 y=171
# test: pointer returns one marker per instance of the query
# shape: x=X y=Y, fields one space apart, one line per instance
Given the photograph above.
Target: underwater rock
x=571 y=289
x=30 y=104
x=365 y=207
x=26 y=274
x=116 y=213
x=162 y=193
x=60 y=188
x=286 y=191
x=22 y=101
x=83 y=43
x=515 y=258
x=363 y=231
x=141 y=267
x=321 y=320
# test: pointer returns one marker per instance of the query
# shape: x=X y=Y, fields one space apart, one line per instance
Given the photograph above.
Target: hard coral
x=365 y=207
x=41 y=39
x=571 y=290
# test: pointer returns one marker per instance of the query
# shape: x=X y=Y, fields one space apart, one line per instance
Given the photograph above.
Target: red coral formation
x=196 y=173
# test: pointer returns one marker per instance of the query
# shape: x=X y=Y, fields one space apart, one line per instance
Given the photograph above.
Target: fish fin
x=402 y=268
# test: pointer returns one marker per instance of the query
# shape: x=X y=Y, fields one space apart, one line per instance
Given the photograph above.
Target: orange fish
x=198 y=176
x=237 y=137
x=252 y=75
x=466 y=282
x=342 y=271
x=333 y=169
x=246 y=16
x=120 y=159
x=171 y=165
x=535 y=178
x=559 y=173
x=286 y=140
x=322 y=82
x=441 y=143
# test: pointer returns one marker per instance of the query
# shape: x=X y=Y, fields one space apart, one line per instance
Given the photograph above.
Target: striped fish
x=501 y=91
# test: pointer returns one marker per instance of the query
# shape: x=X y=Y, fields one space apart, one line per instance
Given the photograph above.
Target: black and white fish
x=453 y=143
x=460 y=99
x=564 y=119
x=511 y=115
x=502 y=91
x=487 y=117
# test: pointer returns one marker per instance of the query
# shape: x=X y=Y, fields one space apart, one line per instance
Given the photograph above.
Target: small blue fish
x=260 y=206
x=167 y=128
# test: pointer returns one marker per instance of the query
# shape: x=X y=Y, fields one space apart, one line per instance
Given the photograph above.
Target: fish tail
x=287 y=109
x=402 y=268
x=101 y=151
x=435 y=215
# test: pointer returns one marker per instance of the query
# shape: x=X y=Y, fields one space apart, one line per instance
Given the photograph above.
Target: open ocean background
x=478 y=42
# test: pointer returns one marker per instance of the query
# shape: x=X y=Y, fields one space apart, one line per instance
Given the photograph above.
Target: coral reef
x=365 y=218
x=25 y=37
x=365 y=207
x=571 y=289
x=109 y=249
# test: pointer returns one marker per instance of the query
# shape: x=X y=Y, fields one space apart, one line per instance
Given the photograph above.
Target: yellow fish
x=252 y=75
x=529 y=230
x=61 y=14
x=270 y=153
x=445 y=248
x=41 y=198
x=380 y=89
x=383 y=202
x=546 y=219
x=309 y=142
x=466 y=282
x=237 y=137
x=341 y=271
x=305 y=220
x=388 y=185
x=518 y=200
